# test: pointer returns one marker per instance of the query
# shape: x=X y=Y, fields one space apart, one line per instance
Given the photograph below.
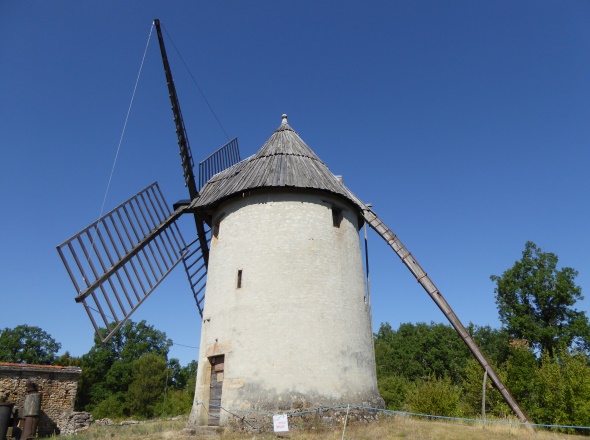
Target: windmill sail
x=216 y=162
x=196 y=271
x=117 y=261
x=194 y=262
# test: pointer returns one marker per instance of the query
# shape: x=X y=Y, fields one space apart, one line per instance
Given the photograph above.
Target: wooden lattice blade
x=118 y=261
x=196 y=271
x=221 y=159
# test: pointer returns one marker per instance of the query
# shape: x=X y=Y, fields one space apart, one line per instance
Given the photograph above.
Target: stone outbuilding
x=57 y=386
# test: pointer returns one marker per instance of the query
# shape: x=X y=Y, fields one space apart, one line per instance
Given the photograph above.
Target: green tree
x=146 y=390
x=107 y=369
x=435 y=396
x=518 y=371
x=26 y=344
x=417 y=351
x=178 y=402
x=182 y=377
x=67 y=360
x=495 y=343
x=181 y=388
x=562 y=389
x=394 y=389
x=521 y=368
x=133 y=340
x=535 y=302
x=471 y=389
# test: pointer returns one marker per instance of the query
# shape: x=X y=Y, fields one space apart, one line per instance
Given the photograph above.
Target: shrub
x=563 y=389
x=112 y=407
x=147 y=386
x=435 y=396
x=472 y=393
x=395 y=389
x=177 y=402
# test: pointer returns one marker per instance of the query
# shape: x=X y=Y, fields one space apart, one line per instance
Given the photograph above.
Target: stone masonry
x=57 y=385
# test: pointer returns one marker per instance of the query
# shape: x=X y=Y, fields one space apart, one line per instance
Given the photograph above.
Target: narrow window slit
x=217 y=225
x=336 y=216
x=239 y=284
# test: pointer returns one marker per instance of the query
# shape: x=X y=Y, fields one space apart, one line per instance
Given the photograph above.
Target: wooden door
x=215 y=389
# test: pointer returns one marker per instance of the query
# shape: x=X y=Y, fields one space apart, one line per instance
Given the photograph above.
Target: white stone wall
x=297 y=333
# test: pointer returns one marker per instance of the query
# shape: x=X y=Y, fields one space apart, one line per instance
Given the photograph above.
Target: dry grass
x=398 y=427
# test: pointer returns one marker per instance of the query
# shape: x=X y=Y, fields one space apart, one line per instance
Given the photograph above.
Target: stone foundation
x=305 y=420
x=57 y=385
x=74 y=422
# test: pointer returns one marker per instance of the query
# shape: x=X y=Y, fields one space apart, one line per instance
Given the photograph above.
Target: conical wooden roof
x=284 y=161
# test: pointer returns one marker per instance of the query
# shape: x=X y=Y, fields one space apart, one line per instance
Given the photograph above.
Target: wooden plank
x=421 y=276
x=215 y=389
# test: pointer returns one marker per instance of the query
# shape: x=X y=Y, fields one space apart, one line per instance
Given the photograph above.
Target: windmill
x=286 y=319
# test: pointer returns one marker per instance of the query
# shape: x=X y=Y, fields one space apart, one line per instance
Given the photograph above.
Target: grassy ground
x=391 y=428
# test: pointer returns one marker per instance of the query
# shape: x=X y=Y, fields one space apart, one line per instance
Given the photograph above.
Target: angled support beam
x=425 y=281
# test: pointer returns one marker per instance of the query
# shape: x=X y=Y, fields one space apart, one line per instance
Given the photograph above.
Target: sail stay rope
x=125 y=123
x=122 y=136
x=197 y=84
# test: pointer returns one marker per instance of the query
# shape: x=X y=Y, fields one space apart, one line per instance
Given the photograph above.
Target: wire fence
x=236 y=413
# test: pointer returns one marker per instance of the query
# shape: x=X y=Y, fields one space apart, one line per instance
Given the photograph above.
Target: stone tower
x=286 y=322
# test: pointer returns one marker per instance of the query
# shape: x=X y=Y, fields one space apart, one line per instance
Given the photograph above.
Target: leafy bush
x=562 y=389
x=113 y=407
x=435 y=396
x=147 y=387
x=472 y=393
x=178 y=402
x=395 y=389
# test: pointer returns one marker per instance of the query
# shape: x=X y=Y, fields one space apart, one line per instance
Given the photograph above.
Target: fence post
x=483 y=396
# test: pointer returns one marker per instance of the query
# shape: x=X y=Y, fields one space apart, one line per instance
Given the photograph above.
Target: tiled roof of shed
x=58 y=368
x=283 y=161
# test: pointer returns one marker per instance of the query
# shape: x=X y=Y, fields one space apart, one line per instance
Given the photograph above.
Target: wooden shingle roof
x=283 y=161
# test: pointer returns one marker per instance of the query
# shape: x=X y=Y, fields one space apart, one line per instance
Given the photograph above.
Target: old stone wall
x=319 y=419
x=57 y=385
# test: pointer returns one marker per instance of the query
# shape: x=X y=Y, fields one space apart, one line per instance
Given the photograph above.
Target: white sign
x=280 y=422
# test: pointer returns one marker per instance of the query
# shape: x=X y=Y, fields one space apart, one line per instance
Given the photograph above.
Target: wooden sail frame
x=118 y=261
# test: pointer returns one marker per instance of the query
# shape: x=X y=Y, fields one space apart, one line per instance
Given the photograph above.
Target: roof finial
x=284 y=119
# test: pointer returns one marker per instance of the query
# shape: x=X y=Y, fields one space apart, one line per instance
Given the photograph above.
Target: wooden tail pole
x=410 y=262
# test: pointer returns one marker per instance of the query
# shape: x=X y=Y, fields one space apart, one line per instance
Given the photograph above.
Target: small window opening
x=239 y=283
x=217 y=225
x=336 y=216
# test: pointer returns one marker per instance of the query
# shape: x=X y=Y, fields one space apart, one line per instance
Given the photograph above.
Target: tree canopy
x=536 y=302
x=26 y=344
x=419 y=350
x=130 y=375
x=541 y=353
x=148 y=382
x=108 y=368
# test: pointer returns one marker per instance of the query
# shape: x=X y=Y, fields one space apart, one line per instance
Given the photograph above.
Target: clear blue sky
x=465 y=123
